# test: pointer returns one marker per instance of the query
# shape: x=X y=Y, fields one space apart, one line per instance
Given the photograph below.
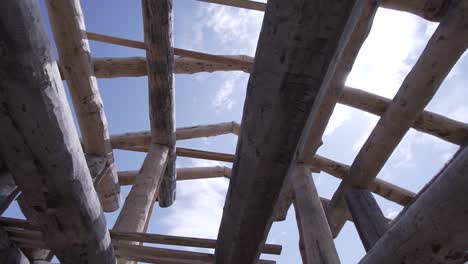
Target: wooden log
x=135 y=211
x=383 y=188
x=367 y=216
x=208 y=155
x=143 y=138
x=136 y=66
x=441 y=53
x=315 y=234
x=157 y=22
x=433 y=229
x=128 y=177
x=33 y=254
x=299 y=45
x=22 y=229
x=39 y=143
x=239 y=60
x=431 y=123
x=247 y=4
x=67 y=22
x=9 y=252
x=432 y=10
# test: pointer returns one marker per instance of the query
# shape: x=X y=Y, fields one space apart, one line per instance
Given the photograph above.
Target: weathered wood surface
x=432 y=10
x=33 y=254
x=431 y=123
x=313 y=227
x=369 y=220
x=128 y=177
x=18 y=228
x=157 y=24
x=39 y=143
x=68 y=26
x=239 y=60
x=136 y=66
x=443 y=50
x=356 y=32
x=135 y=211
x=299 y=45
x=433 y=229
x=9 y=251
x=143 y=138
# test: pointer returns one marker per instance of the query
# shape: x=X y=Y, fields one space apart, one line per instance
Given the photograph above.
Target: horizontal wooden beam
x=128 y=177
x=246 y=4
x=21 y=229
x=428 y=122
x=240 y=61
x=143 y=138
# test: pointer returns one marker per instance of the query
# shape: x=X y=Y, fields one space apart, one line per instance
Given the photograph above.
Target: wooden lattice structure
x=305 y=51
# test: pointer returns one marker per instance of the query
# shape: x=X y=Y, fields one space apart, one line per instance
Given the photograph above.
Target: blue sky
x=391 y=50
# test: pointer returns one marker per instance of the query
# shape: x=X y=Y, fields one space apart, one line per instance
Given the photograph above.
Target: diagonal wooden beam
x=39 y=143
x=298 y=50
x=444 y=49
x=432 y=10
x=314 y=231
x=369 y=220
x=433 y=229
x=68 y=24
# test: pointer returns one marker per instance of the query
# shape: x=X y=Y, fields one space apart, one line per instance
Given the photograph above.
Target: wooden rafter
x=39 y=143
x=443 y=50
x=68 y=24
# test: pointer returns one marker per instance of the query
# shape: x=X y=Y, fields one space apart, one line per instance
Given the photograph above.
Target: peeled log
x=433 y=229
x=68 y=27
x=39 y=143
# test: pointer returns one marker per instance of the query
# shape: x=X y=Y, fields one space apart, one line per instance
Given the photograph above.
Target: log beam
x=121 y=141
x=67 y=22
x=293 y=68
x=443 y=50
x=9 y=252
x=157 y=22
x=135 y=212
x=315 y=235
x=433 y=229
x=39 y=143
x=369 y=220
x=128 y=177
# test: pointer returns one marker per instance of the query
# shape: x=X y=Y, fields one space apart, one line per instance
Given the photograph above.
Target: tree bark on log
x=433 y=229
x=314 y=232
x=157 y=21
x=294 y=63
x=39 y=143
x=68 y=26
x=443 y=50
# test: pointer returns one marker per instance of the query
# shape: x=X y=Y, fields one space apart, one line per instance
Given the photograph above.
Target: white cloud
x=223 y=99
x=340 y=115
